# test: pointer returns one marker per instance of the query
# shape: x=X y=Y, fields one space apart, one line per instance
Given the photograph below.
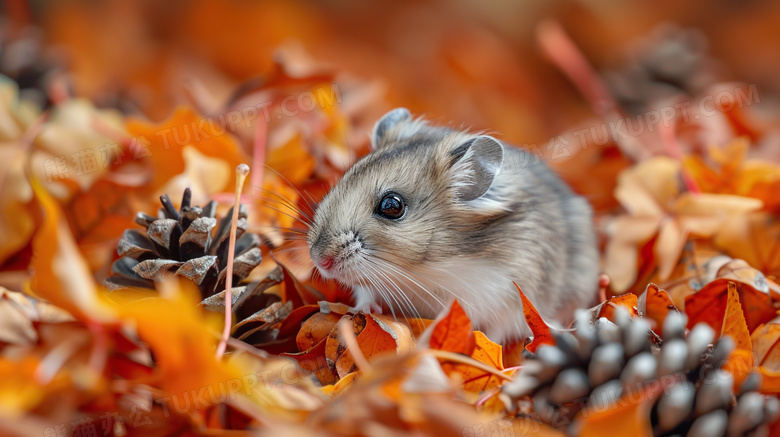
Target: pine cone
x=602 y=362
x=190 y=243
x=670 y=62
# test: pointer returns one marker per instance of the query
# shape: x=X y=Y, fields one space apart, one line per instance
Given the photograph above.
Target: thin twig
x=241 y=172
x=348 y=335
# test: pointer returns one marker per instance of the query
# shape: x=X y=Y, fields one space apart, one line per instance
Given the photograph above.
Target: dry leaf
x=454 y=332
x=655 y=304
x=540 y=329
x=626 y=301
x=709 y=304
x=61 y=275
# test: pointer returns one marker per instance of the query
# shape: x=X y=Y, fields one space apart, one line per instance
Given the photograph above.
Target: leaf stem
x=463 y=359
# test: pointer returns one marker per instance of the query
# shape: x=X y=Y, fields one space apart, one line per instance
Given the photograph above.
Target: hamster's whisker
x=390 y=265
x=464 y=302
x=401 y=294
x=289 y=203
x=282 y=228
x=288 y=182
x=265 y=201
x=293 y=249
x=316 y=275
x=406 y=305
x=314 y=204
x=292 y=208
x=376 y=285
x=376 y=280
x=298 y=219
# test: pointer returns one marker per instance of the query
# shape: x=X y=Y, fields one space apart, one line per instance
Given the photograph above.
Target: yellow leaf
x=61 y=275
x=649 y=187
x=292 y=161
x=161 y=145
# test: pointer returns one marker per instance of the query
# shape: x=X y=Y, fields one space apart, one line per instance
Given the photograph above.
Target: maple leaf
x=755 y=238
x=540 y=329
x=476 y=382
x=454 y=332
x=658 y=208
x=731 y=173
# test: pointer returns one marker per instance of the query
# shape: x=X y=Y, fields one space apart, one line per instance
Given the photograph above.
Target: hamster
x=434 y=214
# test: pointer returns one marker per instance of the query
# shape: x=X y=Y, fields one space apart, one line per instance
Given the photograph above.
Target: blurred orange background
x=476 y=63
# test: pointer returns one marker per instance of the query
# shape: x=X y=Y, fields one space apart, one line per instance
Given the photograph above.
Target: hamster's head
x=403 y=204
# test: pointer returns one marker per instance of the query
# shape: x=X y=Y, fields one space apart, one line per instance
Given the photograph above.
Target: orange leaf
x=292 y=160
x=525 y=426
x=418 y=326
x=734 y=323
x=161 y=145
x=757 y=306
x=61 y=275
x=315 y=329
x=181 y=338
x=770 y=380
x=627 y=301
x=740 y=364
x=542 y=333
x=288 y=330
x=340 y=386
x=401 y=332
x=657 y=305
x=454 y=332
x=313 y=360
x=766 y=345
x=629 y=416
x=373 y=340
x=741 y=361
x=476 y=381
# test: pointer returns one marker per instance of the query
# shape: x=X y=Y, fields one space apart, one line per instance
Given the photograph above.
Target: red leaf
x=709 y=305
x=541 y=331
x=454 y=333
x=295 y=291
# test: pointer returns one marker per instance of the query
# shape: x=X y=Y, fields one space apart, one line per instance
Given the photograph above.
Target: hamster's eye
x=391 y=206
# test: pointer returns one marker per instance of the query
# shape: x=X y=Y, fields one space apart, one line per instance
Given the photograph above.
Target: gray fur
x=476 y=220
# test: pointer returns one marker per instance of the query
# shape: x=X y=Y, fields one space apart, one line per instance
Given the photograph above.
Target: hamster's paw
x=370 y=307
x=365 y=302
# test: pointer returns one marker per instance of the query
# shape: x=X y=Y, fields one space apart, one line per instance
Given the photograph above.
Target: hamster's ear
x=386 y=124
x=476 y=165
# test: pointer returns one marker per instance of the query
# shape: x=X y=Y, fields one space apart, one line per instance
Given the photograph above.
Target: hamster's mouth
x=342 y=271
